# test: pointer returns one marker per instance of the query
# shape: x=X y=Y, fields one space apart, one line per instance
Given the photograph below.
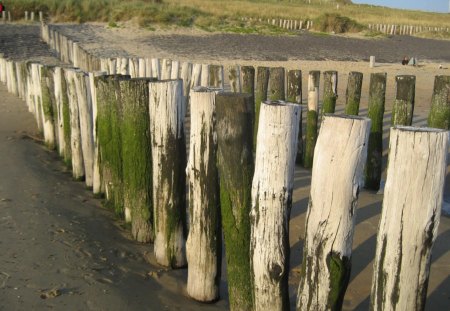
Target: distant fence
x=119 y=124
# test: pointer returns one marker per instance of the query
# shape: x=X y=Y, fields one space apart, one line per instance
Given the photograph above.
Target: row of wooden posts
x=393 y=29
x=28 y=16
x=289 y=24
x=125 y=136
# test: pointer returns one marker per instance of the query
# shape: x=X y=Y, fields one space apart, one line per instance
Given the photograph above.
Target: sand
x=57 y=241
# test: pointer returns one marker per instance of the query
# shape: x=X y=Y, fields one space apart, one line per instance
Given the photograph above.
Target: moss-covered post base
x=167 y=112
x=410 y=218
x=439 y=116
x=271 y=203
x=234 y=114
x=353 y=93
x=403 y=108
x=377 y=91
x=294 y=86
x=331 y=212
x=48 y=105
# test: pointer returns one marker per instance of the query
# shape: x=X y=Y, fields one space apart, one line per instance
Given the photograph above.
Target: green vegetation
x=332 y=22
x=220 y=15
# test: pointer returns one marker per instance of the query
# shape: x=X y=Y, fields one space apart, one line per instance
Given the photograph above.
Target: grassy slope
x=217 y=14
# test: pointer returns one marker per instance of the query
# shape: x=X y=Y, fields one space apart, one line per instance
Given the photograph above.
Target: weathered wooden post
x=85 y=121
x=234 y=115
x=332 y=212
x=215 y=76
x=48 y=105
x=262 y=83
x=204 y=75
x=75 y=133
x=403 y=108
x=136 y=157
x=61 y=95
x=167 y=112
x=377 y=91
x=166 y=69
x=410 y=218
x=26 y=15
x=439 y=116
x=330 y=82
x=234 y=78
x=248 y=82
x=96 y=175
x=353 y=93
x=109 y=139
x=271 y=203
x=204 y=245
x=294 y=95
x=41 y=16
x=372 y=61
x=276 y=83
x=294 y=86
x=311 y=118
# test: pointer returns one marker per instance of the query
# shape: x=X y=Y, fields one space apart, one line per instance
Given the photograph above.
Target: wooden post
x=196 y=75
x=215 y=76
x=96 y=176
x=294 y=95
x=86 y=126
x=262 y=83
x=294 y=86
x=61 y=95
x=186 y=75
x=166 y=69
x=26 y=15
x=311 y=118
x=276 y=84
x=204 y=76
x=109 y=139
x=439 y=116
x=377 y=91
x=330 y=81
x=75 y=133
x=41 y=16
x=48 y=106
x=271 y=203
x=175 y=72
x=353 y=93
x=167 y=112
x=372 y=61
x=136 y=157
x=332 y=212
x=234 y=115
x=203 y=246
x=410 y=216
x=234 y=77
x=403 y=108
x=248 y=82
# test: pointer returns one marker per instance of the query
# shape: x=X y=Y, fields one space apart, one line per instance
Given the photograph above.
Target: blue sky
x=424 y=5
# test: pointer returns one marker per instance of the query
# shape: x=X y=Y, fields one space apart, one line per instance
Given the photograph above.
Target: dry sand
x=55 y=235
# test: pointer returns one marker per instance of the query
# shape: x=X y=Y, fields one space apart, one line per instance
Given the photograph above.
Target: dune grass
x=224 y=15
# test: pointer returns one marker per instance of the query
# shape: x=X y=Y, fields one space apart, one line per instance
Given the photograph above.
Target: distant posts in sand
x=353 y=93
x=409 y=218
x=271 y=202
x=336 y=178
x=26 y=15
x=377 y=92
x=372 y=61
x=312 y=118
x=330 y=83
x=439 y=116
x=403 y=108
